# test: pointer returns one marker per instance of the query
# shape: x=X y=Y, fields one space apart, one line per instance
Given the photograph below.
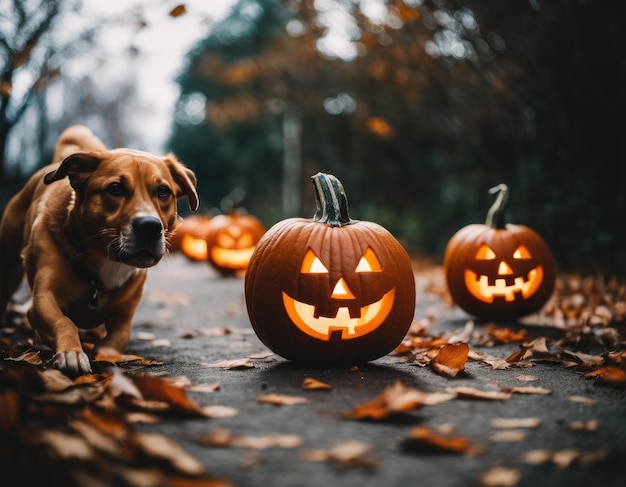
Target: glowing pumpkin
x=230 y=240
x=499 y=270
x=190 y=237
x=330 y=289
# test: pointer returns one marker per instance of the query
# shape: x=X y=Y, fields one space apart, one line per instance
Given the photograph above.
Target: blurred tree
x=420 y=106
x=30 y=57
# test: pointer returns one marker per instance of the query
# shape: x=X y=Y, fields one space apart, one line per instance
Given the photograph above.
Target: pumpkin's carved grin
x=479 y=286
x=322 y=327
x=232 y=258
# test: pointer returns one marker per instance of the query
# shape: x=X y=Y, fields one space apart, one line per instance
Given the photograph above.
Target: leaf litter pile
x=87 y=430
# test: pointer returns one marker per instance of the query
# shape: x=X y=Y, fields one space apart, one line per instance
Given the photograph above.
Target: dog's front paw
x=72 y=362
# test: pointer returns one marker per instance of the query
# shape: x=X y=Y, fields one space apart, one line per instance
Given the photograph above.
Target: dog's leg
x=11 y=276
x=11 y=266
x=118 y=320
x=55 y=329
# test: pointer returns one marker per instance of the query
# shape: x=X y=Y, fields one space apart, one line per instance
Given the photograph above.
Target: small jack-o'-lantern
x=499 y=270
x=330 y=289
x=190 y=237
x=230 y=241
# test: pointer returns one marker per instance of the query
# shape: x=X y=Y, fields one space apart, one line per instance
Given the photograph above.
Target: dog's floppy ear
x=185 y=178
x=77 y=166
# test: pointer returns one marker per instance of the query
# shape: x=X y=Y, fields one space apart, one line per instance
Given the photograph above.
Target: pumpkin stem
x=495 y=215
x=330 y=200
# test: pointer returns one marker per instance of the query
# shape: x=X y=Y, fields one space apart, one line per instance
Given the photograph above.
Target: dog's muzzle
x=143 y=244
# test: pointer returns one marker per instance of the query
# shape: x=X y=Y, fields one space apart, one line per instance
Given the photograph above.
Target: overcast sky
x=163 y=45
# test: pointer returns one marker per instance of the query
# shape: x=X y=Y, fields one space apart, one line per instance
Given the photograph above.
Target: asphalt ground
x=193 y=322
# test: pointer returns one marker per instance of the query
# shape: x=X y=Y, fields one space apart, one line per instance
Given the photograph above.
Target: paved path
x=191 y=319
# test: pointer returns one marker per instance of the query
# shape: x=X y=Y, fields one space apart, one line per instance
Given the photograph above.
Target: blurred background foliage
x=417 y=106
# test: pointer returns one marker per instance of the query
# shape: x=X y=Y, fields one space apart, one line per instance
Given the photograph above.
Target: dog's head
x=126 y=201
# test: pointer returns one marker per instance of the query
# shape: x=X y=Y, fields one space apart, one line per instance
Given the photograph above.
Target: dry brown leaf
x=311 y=383
x=54 y=380
x=505 y=335
x=113 y=357
x=281 y=399
x=527 y=390
x=508 y=423
x=526 y=378
x=397 y=399
x=352 y=453
x=496 y=363
x=590 y=425
x=161 y=447
x=581 y=399
x=242 y=363
x=536 y=350
x=223 y=438
x=500 y=477
x=212 y=387
x=610 y=375
x=161 y=390
x=101 y=441
x=472 y=393
x=421 y=439
x=564 y=458
x=31 y=357
x=216 y=411
x=508 y=436
x=450 y=359
x=67 y=446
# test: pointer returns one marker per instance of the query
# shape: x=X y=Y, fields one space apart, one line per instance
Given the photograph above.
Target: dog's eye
x=163 y=192
x=115 y=189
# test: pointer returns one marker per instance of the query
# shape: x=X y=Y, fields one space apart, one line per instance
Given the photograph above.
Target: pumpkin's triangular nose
x=504 y=269
x=342 y=291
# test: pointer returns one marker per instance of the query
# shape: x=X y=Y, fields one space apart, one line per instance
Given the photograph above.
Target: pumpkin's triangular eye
x=311 y=264
x=521 y=253
x=225 y=240
x=485 y=253
x=246 y=240
x=369 y=262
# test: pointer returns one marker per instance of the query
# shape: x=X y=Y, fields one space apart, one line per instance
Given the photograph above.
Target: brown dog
x=85 y=229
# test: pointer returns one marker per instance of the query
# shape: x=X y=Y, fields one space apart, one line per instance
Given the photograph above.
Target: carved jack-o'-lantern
x=330 y=289
x=499 y=270
x=230 y=241
x=190 y=237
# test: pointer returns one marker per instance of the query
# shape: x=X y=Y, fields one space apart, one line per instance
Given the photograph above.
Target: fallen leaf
x=505 y=335
x=581 y=399
x=564 y=458
x=590 y=425
x=499 y=477
x=216 y=411
x=397 y=399
x=161 y=447
x=526 y=378
x=421 y=439
x=508 y=436
x=242 y=363
x=496 y=363
x=311 y=383
x=353 y=453
x=450 y=360
x=508 y=423
x=527 y=390
x=281 y=399
x=212 y=387
x=162 y=390
x=472 y=393
x=223 y=438
x=608 y=375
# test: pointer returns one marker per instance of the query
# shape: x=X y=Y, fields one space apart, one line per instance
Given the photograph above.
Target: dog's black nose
x=147 y=227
